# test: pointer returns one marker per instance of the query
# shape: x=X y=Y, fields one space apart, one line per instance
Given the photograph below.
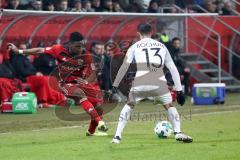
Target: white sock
x=123 y=118
x=174 y=118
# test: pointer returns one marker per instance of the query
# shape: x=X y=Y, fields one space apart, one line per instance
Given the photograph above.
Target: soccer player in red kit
x=77 y=76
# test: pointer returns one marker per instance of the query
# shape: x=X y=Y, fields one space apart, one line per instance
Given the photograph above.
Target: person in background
x=63 y=6
x=117 y=7
x=153 y=7
x=227 y=8
x=143 y=3
x=15 y=4
x=96 y=5
x=175 y=50
x=135 y=7
x=210 y=6
x=35 y=5
x=78 y=6
x=88 y=6
x=107 y=6
x=164 y=38
x=25 y=46
x=97 y=50
x=45 y=64
x=108 y=53
x=50 y=6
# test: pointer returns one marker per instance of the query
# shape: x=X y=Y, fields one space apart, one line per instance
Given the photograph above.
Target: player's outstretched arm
x=33 y=51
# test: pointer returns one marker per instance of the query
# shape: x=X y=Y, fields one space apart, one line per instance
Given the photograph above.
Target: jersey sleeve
x=130 y=55
x=168 y=57
x=124 y=67
x=173 y=70
x=53 y=50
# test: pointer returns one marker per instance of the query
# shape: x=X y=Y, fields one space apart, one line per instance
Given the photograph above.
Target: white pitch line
x=81 y=126
x=46 y=129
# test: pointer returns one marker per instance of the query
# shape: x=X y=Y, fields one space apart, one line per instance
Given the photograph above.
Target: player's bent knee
x=167 y=106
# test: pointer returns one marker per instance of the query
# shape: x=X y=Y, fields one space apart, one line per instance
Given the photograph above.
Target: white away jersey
x=149 y=54
x=150 y=57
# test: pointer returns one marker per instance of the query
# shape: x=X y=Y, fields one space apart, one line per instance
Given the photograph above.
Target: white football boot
x=116 y=140
x=102 y=126
x=183 y=137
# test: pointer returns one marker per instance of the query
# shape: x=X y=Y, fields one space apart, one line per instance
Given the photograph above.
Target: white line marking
x=81 y=126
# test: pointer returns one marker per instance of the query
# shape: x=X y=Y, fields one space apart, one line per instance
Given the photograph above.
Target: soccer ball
x=163 y=129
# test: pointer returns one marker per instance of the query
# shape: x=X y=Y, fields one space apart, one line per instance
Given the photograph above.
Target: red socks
x=92 y=126
x=89 y=108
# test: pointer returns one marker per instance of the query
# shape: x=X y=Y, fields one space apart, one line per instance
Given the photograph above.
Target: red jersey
x=71 y=67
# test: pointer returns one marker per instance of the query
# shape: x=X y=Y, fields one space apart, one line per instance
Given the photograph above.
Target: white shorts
x=140 y=93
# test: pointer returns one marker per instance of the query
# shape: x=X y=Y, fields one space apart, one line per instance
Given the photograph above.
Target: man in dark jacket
x=174 y=49
x=45 y=64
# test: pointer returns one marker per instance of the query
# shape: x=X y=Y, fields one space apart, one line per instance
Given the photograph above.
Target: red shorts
x=91 y=90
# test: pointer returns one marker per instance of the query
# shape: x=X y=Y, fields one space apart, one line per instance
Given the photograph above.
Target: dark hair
x=155 y=36
x=153 y=1
x=75 y=36
x=94 y=43
x=144 y=28
x=176 y=39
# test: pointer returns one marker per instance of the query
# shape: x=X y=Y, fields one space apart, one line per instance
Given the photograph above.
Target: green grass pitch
x=42 y=136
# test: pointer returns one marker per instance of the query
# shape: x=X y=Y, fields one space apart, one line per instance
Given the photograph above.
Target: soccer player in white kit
x=150 y=56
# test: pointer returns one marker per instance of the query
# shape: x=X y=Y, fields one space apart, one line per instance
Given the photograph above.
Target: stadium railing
x=224 y=22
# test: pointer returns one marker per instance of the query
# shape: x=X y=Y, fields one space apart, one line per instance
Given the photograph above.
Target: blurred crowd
x=223 y=7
